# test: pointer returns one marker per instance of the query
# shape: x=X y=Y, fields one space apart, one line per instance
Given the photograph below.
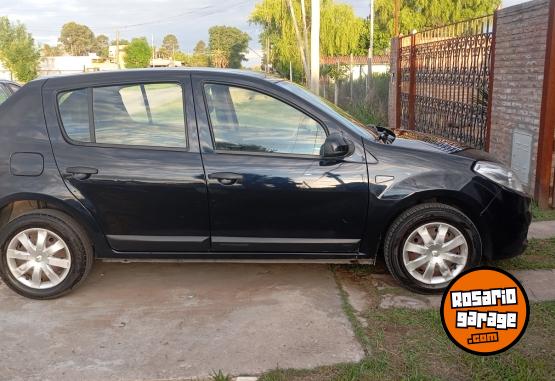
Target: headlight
x=499 y=174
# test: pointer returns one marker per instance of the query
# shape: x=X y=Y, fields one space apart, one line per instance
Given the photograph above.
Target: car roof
x=154 y=72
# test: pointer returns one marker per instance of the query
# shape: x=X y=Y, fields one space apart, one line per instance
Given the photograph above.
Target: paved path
x=161 y=321
x=539 y=286
x=542 y=230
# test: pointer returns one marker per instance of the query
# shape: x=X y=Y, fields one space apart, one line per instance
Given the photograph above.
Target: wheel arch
x=459 y=200
x=17 y=204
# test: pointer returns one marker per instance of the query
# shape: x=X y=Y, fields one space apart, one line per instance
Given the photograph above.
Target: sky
x=189 y=20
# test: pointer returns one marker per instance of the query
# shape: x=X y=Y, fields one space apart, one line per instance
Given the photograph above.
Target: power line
x=205 y=11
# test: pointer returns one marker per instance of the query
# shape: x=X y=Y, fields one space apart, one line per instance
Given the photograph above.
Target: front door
x=126 y=152
x=269 y=190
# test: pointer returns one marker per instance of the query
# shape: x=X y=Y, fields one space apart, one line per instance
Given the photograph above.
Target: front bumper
x=507 y=219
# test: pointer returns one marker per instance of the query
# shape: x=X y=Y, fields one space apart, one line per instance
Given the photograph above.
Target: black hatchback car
x=224 y=165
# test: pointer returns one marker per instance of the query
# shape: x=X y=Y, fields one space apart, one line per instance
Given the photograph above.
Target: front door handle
x=81 y=173
x=226 y=178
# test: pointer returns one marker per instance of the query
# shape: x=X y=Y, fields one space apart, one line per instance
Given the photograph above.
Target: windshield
x=325 y=105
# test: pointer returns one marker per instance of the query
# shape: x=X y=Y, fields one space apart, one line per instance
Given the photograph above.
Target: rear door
x=128 y=150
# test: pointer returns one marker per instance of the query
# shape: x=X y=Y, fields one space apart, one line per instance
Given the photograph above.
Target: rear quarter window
x=4 y=93
x=74 y=112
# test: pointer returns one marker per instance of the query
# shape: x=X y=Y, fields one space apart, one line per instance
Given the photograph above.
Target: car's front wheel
x=429 y=245
x=44 y=254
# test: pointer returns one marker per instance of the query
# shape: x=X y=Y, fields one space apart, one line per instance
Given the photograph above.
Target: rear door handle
x=81 y=173
x=226 y=178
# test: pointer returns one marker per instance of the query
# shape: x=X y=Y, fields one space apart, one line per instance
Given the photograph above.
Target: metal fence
x=344 y=81
x=444 y=81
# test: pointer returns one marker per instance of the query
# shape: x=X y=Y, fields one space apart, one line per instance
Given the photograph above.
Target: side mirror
x=387 y=136
x=336 y=146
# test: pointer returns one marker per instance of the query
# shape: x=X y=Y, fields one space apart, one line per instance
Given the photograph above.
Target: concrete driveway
x=147 y=321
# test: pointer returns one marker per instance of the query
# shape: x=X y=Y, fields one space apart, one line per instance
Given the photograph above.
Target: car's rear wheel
x=429 y=245
x=45 y=254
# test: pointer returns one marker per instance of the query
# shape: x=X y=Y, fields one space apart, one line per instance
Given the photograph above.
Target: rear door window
x=149 y=115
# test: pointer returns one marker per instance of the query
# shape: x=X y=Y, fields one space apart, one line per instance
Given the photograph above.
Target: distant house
x=163 y=62
x=358 y=65
x=60 y=65
x=116 y=55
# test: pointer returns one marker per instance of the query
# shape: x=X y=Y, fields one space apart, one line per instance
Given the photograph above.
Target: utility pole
x=267 y=68
x=153 y=50
x=396 y=11
x=305 y=29
x=315 y=48
x=117 y=49
x=371 y=42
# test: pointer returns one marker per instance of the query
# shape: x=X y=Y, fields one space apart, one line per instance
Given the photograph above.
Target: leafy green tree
x=228 y=46
x=77 y=39
x=200 y=47
x=122 y=41
x=199 y=58
x=51 y=51
x=101 y=45
x=18 y=52
x=170 y=45
x=341 y=31
x=425 y=14
x=137 y=53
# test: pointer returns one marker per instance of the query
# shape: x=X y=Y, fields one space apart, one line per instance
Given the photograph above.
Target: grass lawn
x=407 y=344
x=542 y=215
x=404 y=344
x=539 y=255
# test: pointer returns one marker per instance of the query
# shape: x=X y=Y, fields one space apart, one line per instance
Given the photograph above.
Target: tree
x=199 y=58
x=101 y=45
x=78 y=40
x=170 y=45
x=425 y=14
x=18 y=52
x=228 y=46
x=200 y=48
x=122 y=41
x=137 y=53
x=341 y=31
x=52 y=51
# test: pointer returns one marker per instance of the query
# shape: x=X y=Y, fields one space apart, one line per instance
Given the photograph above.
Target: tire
x=432 y=250
x=73 y=261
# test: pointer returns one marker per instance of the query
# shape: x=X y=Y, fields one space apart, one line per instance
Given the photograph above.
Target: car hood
x=428 y=142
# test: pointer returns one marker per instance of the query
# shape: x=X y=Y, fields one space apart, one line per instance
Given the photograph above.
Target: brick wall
x=518 y=79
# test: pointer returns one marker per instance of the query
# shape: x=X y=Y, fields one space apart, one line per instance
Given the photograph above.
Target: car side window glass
x=247 y=120
x=74 y=111
x=13 y=88
x=143 y=115
x=4 y=94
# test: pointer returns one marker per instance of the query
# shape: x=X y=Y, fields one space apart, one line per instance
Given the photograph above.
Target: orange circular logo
x=485 y=311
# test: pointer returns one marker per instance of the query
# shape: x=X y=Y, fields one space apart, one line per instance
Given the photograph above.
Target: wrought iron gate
x=444 y=81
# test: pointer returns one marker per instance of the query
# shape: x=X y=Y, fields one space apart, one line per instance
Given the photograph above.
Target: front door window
x=247 y=120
